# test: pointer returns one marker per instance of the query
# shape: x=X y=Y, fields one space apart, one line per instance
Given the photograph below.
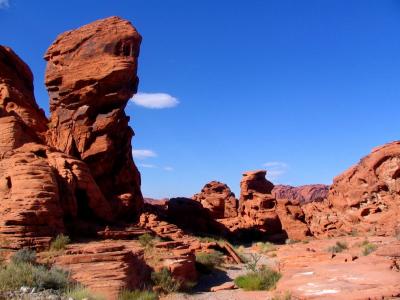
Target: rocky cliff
x=76 y=169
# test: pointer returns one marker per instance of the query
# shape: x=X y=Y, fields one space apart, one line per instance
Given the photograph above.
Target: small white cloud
x=4 y=4
x=149 y=166
x=275 y=164
x=143 y=153
x=275 y=169
x=154 y=100
x=168 y=169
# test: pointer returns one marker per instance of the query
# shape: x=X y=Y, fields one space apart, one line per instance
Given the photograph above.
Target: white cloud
x=275 y=169
x=168 y=169
x=4 y=4
x=275 y=164
x=154 y=100
x=149 y=166
x=143 y=153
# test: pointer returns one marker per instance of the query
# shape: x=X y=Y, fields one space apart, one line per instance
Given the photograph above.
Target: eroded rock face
x=302 y=194
x=218 y=199
x=16 y=93
x=90 y=76
x=257 y=206
x=106 y=267
x=365 y=198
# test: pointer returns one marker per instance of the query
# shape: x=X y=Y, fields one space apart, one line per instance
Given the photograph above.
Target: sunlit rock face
x=218 y=198
x=363 y=199
x=90 y=76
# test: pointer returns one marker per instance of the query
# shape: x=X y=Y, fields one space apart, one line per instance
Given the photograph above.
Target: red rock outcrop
x=365 y=198
x=16 y=95
x=45 y=191
x=257 y=206
x=292 y=219
x=106 y=267
x=90 y=76
x=218 y=198
x=302 y=194
x=30 y=210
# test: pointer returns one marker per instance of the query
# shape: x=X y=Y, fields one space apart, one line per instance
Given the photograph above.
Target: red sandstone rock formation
x=45 y=191
x=38 y=185
x=218 y=199
x=16 y=95
x=302 y=194
x=365 y=198
x=257 y=207
x=90 y=76
x=106 y=267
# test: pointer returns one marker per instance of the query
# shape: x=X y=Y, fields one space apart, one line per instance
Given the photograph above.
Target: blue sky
x=301 y=88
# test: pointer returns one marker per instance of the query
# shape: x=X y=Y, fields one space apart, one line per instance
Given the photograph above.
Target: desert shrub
x=368 y=248
x=54 y=278
x=146 y=240
x=60 y=242
x=263 y=279
x=290 y=242
x=266 y=247
x=79 y=292
x=252 y=262
x=138 y=295
x=338 y=247
x=285 y=296
x=24 y=255
x=15 y=275
x=207 y=261
x=164 y=280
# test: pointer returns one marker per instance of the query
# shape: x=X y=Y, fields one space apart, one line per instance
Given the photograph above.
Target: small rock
x=224 y=286
x=24 y=289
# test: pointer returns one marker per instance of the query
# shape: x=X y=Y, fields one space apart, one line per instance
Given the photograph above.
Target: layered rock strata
x=90 y=76
x=365 y=198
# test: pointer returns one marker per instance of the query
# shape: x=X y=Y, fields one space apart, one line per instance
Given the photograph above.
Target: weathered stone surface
x=292 y=219
x=257 y=206
x=90 y=76
x=218 y=199
x=16 y=92
x=302 y=194
x=42 y=192
x=365 y=198
x=309 y=269
x=107 y=267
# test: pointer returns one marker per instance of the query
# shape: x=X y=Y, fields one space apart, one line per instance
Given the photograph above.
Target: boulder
x=218 y=199
x=106 y=267
x=90 y=77
x=257 y=206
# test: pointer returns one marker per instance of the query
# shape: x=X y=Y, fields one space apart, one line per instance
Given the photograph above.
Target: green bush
x=15 y=275
x=24 y=255
x=266 y=247
x=368 y=248
x=339 y=247
x=208 y=261
x=54 y=278
x=146 y=240
x=164 y=280
x=138 y=295
x=60 y=242
x=263 y=279
x=79 y=292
